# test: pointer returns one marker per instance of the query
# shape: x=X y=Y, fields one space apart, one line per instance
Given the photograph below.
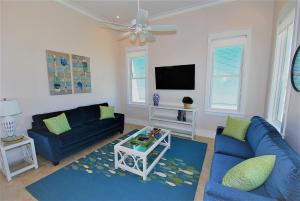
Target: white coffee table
x=138 y=156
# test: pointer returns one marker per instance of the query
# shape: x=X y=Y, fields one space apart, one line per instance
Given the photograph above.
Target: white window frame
x=231 y=36
x=277 y=69
x=128 y=50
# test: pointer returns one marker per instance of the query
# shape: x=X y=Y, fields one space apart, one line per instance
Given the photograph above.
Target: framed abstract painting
x=81 y=74
x=59 y=73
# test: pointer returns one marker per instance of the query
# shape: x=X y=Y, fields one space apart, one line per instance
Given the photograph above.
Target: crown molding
x=209 y=3
x=167 y=14
x=83 y=12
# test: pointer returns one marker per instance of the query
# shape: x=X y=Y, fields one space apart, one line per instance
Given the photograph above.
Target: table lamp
x=8 y=110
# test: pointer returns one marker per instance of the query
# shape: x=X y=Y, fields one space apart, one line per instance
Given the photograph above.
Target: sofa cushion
x=250 y=174
x=236 y=128
x=74 y=117
x=221 y=163
x=77 y=134
x=102 y=125
x=58 y=124
x=284 y=181
x=91 y=112
x=233 y=147
x=257 y=130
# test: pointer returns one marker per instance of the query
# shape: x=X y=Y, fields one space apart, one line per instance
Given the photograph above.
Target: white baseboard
x=199 y=132
x=133 y=121
x=206 y=133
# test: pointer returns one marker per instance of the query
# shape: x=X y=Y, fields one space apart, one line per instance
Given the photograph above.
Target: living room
x=176 y=96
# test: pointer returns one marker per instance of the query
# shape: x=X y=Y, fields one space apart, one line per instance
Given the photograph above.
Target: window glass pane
x=227 y=60
x=138 y=90
x=225 y=93
x=138 y=67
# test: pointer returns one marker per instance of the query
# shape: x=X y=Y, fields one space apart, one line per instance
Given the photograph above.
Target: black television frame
x=175 y=66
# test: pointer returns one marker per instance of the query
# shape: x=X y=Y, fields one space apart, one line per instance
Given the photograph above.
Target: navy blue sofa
x=86 y=129
x=261 y=139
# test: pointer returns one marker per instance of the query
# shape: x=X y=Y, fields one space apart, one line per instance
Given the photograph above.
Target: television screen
x=175 y=77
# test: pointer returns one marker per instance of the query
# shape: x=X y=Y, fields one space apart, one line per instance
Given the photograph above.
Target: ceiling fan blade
x=162 y=28
x=142 y=17
x=124 y=35
x=116 y=26
x=149 y=37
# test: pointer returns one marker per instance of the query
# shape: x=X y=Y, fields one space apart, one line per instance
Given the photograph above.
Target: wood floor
x=15 y=189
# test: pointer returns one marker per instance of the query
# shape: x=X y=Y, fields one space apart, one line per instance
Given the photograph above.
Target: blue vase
x=156 y=98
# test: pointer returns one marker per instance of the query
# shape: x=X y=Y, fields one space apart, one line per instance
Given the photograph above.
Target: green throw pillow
x=107 y=112
x=58 y=124
x=236 y=128
x=250 y=174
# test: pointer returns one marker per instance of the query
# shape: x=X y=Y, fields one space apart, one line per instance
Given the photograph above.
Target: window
x=281 y=71
x=225 y=69
x=137 y=64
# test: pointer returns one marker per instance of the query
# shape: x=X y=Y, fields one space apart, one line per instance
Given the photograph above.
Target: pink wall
x=189 y=45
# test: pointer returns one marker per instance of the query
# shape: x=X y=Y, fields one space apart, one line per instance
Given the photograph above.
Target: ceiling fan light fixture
x=142 y=36
x=139 y=28
x=132 y=36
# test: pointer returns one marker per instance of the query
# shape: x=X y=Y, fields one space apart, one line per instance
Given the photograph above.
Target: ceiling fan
x=140 y=28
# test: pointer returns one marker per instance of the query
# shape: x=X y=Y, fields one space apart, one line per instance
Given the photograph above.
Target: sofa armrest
x=219 y=130
x=122 y=119
x=218 y=192
x=119 y=115
x=46 y=144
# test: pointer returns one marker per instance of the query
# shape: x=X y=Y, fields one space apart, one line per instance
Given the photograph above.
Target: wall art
x=59 y=73
x=81 y=74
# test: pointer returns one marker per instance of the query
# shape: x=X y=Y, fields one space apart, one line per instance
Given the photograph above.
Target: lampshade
x=9 y=108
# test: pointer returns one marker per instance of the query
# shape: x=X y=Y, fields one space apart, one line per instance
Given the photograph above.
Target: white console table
x=165 y=116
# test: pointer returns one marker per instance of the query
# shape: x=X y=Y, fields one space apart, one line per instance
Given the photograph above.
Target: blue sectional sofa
x=86 y=129
x=261 y=139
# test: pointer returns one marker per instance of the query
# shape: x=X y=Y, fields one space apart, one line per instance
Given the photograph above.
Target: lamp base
x=9 y=125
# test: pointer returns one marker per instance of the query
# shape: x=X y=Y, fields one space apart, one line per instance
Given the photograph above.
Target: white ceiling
x=126 y=9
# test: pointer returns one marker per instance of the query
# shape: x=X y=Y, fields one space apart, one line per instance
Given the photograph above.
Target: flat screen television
x=175 y=77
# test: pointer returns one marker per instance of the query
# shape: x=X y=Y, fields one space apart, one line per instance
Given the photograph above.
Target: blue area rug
x=93 y=177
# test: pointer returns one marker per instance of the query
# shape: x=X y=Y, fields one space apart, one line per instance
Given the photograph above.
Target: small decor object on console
x=156 y=99
x=181 y=115
x=187 y=102
x=9 y=109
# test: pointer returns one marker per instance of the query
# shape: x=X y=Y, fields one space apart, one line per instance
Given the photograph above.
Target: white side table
x=29 y=158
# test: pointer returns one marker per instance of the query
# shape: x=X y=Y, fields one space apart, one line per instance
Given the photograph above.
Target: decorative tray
x=143 y=140
x=12 y=139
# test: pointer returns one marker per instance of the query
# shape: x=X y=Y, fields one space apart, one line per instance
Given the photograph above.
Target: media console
x=165 y=116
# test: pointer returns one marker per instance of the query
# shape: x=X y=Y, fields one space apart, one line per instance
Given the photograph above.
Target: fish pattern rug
x=94 y=177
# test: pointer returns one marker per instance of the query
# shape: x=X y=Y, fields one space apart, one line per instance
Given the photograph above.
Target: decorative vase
x=187 y=106
x=156 y=98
